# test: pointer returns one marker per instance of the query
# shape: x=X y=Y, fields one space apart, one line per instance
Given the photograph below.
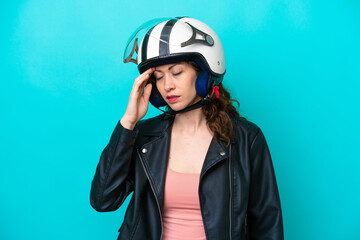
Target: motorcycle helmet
x=163 y=41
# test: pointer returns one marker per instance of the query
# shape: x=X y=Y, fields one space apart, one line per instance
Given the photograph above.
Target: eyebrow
x=168 y=68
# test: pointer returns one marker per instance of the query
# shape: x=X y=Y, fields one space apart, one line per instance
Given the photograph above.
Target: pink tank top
x=181 y=212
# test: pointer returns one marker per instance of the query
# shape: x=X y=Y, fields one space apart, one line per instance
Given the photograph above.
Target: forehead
x=167 y=67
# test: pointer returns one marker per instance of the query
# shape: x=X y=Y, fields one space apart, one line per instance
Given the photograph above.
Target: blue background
x=294 y=66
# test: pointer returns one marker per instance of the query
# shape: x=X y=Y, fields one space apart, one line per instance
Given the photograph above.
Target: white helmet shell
x=168 y=40
x=174 y=38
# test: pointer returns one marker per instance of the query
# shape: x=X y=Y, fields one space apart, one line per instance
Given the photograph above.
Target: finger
x=146 y=73
x=147 y=92
x=141 y=82
x=142 y=86
x=141 y=79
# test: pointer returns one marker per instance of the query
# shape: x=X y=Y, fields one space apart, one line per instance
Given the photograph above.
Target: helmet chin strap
x=198 y=104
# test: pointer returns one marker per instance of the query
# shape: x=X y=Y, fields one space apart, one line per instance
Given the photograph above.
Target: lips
x=172 y=98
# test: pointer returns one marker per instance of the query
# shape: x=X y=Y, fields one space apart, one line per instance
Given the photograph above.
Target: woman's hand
x=138 y=101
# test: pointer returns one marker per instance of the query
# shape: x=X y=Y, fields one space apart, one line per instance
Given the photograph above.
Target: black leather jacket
x=238 y=192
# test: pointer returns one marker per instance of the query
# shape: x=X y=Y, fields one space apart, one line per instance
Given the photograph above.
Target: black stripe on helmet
x=165 y=36
x=145 y=46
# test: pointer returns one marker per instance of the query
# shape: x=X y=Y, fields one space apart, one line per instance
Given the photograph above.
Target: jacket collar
x=162 y=123
x=155 y=126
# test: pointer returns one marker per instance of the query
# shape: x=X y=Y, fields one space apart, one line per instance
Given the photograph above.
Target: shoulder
x=243 y=124
x=244 y=128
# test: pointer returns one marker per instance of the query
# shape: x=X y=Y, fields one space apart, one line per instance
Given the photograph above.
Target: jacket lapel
x=155 y=156
x=216 y=153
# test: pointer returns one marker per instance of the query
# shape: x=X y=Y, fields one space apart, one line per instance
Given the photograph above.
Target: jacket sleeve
x=113 y=180
x=264 y=209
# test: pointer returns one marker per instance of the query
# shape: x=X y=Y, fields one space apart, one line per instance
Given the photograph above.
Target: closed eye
x=157 y=78
x=175 y=74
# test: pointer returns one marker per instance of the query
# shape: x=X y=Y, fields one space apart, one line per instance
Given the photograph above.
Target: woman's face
x=176 y=84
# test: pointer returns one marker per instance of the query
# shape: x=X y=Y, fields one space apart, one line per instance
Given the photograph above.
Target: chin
x=178 y=106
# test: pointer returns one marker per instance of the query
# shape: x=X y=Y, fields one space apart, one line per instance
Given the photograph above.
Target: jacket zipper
x=245 y=223
x=152 y=188
x=201 y=207
x=230 y=209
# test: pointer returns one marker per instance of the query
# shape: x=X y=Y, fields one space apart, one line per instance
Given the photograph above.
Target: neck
x=190 y=122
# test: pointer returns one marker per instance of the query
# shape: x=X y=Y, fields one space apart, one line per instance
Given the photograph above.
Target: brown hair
x=217 y=113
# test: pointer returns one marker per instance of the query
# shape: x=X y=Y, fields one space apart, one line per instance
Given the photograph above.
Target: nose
x=168 y=83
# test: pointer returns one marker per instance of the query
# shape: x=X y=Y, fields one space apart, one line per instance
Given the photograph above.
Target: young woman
x=198 y=171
